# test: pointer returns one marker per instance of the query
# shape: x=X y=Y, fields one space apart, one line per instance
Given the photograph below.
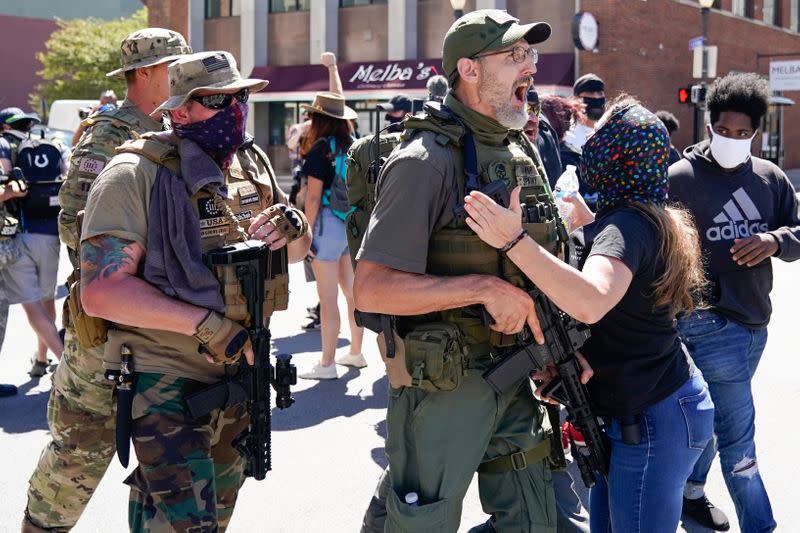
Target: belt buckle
x=519 y=461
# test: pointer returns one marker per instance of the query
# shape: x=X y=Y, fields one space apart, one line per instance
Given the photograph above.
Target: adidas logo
x=738 y=219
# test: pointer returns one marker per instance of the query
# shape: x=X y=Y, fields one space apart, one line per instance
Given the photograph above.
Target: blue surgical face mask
x=219 y=136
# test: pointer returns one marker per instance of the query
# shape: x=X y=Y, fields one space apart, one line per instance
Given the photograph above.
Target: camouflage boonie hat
x=486 y=30
x=148 y=47
x=205 y=70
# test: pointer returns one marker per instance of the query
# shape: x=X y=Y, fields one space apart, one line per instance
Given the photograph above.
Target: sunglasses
x=519 y=54
x=221 y=100
x=534 y=108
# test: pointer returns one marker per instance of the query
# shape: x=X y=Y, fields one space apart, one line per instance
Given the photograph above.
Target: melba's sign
x=784 y=75
x=385 y=75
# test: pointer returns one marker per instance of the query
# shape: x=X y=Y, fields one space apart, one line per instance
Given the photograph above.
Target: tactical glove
x=221 y=338
x=291 y=223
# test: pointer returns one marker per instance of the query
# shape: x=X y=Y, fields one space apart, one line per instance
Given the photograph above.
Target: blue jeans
x=728 y=354
x=645 y=484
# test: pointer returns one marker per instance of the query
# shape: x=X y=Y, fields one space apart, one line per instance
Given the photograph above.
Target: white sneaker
x=320 y=372
x=355 y=360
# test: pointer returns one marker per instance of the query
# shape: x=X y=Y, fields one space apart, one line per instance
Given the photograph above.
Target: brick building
x=390 y=46
x=644 y=50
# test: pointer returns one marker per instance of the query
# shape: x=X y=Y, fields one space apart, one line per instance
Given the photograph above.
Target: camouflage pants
x=81 y=417
x=189 y=475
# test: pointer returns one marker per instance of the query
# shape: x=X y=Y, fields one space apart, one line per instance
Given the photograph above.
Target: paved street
x=328 y=448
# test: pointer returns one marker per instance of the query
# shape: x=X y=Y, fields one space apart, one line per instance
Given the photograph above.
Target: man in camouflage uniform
x=81 y=409
x=161 y=203
x=421 y=263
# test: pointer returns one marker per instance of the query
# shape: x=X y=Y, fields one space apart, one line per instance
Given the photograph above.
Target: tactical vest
x=85 y=166
x=222 y=220
x=456 y=250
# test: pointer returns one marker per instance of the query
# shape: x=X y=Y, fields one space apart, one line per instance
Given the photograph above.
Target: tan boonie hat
x=486 y=30
x=332 y=105
x=148 y=47
x=205 y=70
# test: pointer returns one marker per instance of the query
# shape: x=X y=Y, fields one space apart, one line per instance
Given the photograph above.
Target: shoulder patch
x=91 y=166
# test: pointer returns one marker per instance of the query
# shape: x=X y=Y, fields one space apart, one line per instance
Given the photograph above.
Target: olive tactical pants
x=437 y=440
x=189 y=474
x=81 y=417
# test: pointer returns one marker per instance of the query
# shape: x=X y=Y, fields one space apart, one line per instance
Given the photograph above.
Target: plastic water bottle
x=566 y=186
x=412 y=499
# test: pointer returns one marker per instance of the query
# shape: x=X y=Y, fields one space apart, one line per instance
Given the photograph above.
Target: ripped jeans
x=728 y=354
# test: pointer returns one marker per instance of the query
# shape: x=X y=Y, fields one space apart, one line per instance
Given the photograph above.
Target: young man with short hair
x=746 y=213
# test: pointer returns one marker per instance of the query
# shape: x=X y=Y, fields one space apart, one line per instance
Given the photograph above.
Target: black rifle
x=563 y=336
x=254 y=263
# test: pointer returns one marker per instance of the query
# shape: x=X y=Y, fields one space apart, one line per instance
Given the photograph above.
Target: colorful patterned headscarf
x=627 y=159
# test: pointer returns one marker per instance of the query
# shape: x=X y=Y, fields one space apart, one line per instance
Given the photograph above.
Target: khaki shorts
x=33 y=276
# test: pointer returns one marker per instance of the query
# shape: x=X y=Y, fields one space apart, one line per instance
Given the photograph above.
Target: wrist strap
x=208 y=327
x=513 y=242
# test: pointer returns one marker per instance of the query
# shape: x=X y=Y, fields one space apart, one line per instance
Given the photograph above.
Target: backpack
x=364 y=161
x=336 y=196
x=39 y=159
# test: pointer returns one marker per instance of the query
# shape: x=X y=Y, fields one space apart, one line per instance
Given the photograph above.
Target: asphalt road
x=328 y=447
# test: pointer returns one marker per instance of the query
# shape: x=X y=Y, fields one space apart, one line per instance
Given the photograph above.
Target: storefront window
x=350 y=3
x=282 y=6
x=223 y=8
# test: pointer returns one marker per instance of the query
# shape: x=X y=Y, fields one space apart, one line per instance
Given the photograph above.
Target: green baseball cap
x=149 y=47
x=486 y=30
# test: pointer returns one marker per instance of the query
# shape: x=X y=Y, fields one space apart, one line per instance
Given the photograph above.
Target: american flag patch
x=215 y=62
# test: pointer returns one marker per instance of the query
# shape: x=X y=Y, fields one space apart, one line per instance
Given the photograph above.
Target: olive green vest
x=456 y=250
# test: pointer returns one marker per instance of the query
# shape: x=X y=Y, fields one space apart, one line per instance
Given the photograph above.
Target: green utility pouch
x=435 y=356
x=90 y=330
x=544 y=233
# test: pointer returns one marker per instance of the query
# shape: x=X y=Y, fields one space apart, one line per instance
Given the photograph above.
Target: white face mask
x=730 y=153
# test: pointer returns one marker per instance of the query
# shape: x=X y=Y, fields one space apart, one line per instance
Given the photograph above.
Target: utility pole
x=700 y=104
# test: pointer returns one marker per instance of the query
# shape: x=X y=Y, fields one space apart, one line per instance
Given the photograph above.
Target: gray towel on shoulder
x=174 y=258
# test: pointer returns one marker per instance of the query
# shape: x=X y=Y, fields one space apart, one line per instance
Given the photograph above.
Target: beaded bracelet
x=513 y=242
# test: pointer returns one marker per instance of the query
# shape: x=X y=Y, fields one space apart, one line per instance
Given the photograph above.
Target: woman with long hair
x=639 y=268
x=324 y=151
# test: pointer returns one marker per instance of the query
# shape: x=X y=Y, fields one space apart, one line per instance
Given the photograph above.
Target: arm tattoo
x=102 y=256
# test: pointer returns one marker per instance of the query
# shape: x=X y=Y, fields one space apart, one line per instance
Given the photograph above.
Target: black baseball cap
x=401 y=102
x=486 y=30
x=588 y=83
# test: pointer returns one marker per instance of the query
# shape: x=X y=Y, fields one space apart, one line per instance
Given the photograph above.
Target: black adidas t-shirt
x=634 y=350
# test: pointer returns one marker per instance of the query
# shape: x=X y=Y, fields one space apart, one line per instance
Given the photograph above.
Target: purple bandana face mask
x=219 y=136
